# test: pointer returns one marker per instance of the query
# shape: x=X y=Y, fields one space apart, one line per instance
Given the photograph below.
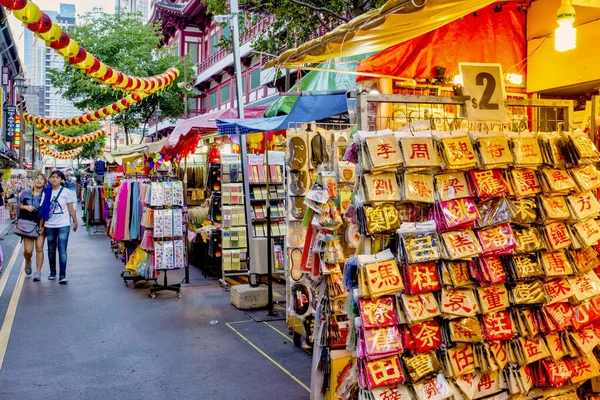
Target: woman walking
x=30 y=202
x=58 y=209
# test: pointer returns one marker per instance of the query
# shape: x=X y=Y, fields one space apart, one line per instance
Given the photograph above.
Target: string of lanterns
x=43 y=27
x=57 y=138
x=138 y=88
x=62 y=155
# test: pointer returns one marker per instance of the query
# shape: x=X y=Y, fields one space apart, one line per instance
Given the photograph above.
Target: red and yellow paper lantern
x=43 y=26
x=57 y=138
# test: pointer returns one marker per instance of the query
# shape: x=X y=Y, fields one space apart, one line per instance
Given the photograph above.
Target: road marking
x=240 y=322
x=9 y=319
x=7 y=271
x=277 y=330
x=288 y=373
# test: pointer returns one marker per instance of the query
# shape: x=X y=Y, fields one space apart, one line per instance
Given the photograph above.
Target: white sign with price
x=484 y=83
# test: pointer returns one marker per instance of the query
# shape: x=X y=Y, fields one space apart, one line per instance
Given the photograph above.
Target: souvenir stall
x=95 y=212
x=475 y=275
x=201 y=150
x=19 y=180
x=319 y=239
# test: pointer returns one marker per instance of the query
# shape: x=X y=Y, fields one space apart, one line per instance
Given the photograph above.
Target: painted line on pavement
x=240 y=322
x=9 y=319
x=288 y=373
x=8 y=270
x=277 y=330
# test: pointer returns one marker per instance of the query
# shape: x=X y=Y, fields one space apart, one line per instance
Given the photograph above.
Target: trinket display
x=489 y=287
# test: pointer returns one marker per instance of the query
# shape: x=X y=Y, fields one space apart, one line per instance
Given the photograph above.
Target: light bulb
x=565 y=36
x=515 y=79
x=374 y=92
x=457 y=80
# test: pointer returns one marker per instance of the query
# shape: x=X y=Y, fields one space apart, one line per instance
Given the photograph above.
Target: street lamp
x=21 y=87
x=156 y=116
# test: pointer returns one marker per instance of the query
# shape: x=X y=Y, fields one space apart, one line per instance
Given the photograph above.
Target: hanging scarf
x=44 y=212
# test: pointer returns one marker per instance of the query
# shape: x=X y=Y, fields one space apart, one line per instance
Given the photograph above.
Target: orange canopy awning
x=488 y=36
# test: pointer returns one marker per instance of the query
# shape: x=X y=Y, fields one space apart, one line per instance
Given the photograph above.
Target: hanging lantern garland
x=43 y=27
x=57 y=138
x=96 y=115
x=62 y=155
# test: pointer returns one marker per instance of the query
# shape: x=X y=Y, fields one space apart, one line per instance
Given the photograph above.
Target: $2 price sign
x=484 y=83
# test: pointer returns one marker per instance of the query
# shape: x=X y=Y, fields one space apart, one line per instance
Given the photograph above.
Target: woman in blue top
x=57 y=212
x=30 y=202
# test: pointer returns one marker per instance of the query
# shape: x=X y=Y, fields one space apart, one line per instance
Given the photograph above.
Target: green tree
x=91 y=150
x=123 y=42
x=296 y=21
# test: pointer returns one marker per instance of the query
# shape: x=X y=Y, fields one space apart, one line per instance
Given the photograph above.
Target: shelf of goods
x=477 y=270
x=234 y=237
x=319 y=239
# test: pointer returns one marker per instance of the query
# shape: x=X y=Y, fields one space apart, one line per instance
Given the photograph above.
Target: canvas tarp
x=489 y=37
x=379 y=29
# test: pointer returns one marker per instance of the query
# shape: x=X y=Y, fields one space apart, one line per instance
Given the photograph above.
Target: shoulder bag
x=26 y=228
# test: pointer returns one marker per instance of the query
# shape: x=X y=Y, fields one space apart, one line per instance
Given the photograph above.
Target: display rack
x=169 y=241
x=234 y=240
x=299 y=277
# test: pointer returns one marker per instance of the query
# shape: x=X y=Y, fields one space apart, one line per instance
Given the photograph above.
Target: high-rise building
x=135 y=6
x=39 y=59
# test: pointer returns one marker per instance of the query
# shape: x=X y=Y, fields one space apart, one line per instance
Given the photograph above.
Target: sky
x=81 y=7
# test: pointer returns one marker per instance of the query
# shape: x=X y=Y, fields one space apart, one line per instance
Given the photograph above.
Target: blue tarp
x=306 y=109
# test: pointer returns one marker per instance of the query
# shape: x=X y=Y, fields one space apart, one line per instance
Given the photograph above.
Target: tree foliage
x=296 y=21
x=123 y=42
x=91 y=150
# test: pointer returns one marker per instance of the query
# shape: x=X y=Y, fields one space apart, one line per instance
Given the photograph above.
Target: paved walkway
x=98 y=339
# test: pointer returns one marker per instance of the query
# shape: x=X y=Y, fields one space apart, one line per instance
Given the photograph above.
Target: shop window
x=214 y=43
x=225 y=94
x=212 y=100
x=243 y=84
x=255 y=79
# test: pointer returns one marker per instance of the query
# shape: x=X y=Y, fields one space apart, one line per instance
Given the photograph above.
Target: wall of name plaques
x=476 y=276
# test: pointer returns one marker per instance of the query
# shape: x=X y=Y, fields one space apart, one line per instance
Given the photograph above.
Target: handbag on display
x=26 y=229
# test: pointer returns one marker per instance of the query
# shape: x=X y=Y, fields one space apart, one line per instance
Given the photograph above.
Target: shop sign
x=11 y=112
x=17 y=130
x=484 y=83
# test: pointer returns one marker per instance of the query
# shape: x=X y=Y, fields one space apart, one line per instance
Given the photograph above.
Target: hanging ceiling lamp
x=565 y=36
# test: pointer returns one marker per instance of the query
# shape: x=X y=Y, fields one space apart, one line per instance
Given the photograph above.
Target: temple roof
x=177 y=16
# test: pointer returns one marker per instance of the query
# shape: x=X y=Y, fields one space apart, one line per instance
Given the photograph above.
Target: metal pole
x=22 y=134
x=32 y=147
x=185 y=92
x=235 y=29
x=269 y=238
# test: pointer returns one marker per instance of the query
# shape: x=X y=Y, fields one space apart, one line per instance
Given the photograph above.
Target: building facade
x=188 y=27
x=39 y=59
x=135 y=6
x=10 y=67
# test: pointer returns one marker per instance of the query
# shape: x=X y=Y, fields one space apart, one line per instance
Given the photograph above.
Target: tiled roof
x=169 y=6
